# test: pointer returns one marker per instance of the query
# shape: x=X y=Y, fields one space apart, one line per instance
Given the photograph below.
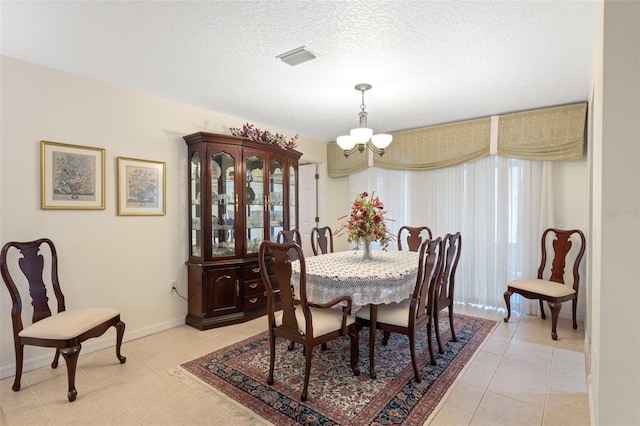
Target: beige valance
x=339 y=166
x=555 y=133
x=437 y=146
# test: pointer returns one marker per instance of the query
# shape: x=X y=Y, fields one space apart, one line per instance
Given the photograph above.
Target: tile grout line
x=486 y=388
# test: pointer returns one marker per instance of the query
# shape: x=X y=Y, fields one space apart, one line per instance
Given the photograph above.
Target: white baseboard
x=91 y=345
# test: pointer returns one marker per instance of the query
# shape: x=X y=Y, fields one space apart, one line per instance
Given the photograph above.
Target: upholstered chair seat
x=69 y=324
x=544 y=287
x=392 y=313
x=324 y=320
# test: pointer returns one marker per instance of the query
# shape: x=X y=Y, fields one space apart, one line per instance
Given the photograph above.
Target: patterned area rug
x=336 y=396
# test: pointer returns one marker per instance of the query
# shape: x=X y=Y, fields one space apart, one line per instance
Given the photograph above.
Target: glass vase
x=366 y=251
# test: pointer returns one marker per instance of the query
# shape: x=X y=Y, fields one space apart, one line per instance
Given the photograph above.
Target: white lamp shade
x=361 y=134
x=346 y=142
x=381 y=141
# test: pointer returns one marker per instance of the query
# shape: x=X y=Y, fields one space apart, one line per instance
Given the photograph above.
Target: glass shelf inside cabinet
x=255 y=209
x=223 y=205
x=196 y=207
x=276 y=198
x=292 y=197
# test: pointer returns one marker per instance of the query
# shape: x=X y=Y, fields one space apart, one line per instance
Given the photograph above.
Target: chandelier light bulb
x=382 y=140
x=346 y=142
x=363 y=136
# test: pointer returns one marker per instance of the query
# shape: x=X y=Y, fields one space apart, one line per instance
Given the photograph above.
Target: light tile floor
x=520 y=376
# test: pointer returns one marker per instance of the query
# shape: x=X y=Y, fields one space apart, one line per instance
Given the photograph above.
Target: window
x=500 y=206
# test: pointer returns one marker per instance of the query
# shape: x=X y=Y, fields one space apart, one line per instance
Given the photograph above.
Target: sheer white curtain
x=500 y=206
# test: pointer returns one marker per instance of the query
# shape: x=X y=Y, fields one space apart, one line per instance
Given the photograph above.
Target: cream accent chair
x=554 y=283
x=301 y=321
x=65 y=330
x=407 y=316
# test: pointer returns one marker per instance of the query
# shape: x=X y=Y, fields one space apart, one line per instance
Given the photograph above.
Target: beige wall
x=122 y=261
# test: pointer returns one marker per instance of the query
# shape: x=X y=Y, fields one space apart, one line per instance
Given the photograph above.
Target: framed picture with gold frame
x=71 y=176
x=141 y=187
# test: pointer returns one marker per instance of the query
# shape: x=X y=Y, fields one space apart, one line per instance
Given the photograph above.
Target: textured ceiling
x=429 y=62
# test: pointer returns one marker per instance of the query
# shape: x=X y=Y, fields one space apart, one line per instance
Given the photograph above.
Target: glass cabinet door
x=276 y=198
x=224 y=205
x=255 y=203
x=196 y=207
x=293 y=208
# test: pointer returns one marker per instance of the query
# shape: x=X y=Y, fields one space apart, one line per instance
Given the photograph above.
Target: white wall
x=571 y=195
x=121 y=261
x=615 y=217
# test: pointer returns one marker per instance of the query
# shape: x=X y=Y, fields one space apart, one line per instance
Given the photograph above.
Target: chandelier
x=363 y=136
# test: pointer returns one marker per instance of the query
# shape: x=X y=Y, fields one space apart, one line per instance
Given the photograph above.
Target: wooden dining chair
x=67 y=329
x=321 y=240
x=411 y=237
x=290 y=236
x=558 y=275
x=444 y=291
x=301 y=321
x=407 y=316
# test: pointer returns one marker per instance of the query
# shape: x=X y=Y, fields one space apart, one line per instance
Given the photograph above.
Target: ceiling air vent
x=297 y=56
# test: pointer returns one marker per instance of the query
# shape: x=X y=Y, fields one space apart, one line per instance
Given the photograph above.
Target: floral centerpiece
x=366 y=223
x=251 y=132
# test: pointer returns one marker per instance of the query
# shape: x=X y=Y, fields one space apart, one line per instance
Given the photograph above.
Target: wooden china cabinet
x=241 y=192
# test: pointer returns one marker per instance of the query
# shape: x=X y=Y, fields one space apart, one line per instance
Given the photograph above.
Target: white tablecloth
x=389 y=277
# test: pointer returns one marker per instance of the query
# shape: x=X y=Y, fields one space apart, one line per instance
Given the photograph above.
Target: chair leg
x=453 y=330
x=355 y=349
x=542 y=314
x=412 y=349
x=307 y=371
x=555 y=311
x=19 y=355
x=70 y=356
x=507 y=301
x=430 y=344
x=574 y=308
x=385 y=338
x=120 y=326
x=56 y=357
x=436 y=327
x=272 y=356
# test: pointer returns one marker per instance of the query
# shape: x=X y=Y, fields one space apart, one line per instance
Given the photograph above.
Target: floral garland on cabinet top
x=251 y=132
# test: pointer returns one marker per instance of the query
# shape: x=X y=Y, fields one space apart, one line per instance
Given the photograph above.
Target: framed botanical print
x=141 y=187
x=71 y=176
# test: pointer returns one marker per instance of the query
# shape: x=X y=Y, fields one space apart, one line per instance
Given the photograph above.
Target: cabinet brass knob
x=253 y=285
x=253 y=300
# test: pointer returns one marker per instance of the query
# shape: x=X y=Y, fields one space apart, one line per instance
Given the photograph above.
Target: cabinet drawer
x=253 y=301
x=251 y=272
x=253 y=286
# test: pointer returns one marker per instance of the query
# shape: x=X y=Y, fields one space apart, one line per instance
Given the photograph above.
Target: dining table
x=390 y=276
